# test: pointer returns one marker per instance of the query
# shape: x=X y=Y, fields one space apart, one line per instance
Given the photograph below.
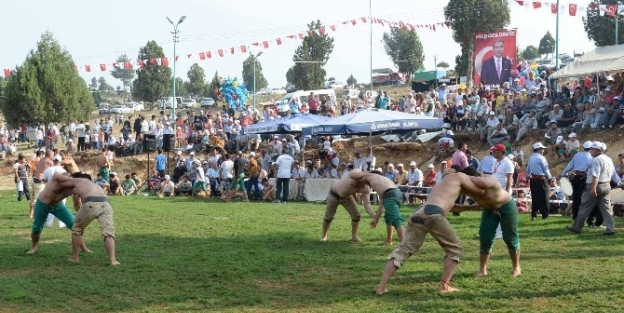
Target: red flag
x=208 y=54
x=611 y=9
x=278 y=41
x=256 y=44
x=88 y=68
x=363 y=19
x=322 y=31
x=553 y=8
x=103 y=67
x=291 y=36
x=265 y=44
x=232 y=50
x=311 y=33
x=152 y=61
x=301 y=36
x=333 y=27
x=221 y=52
x=202 y=56
x=353 y=22
x=165 y=61
x=243 y=49
x=520 y=2
x=177 y=57
x=572 y=9
x=127 y=65
x=537 y=5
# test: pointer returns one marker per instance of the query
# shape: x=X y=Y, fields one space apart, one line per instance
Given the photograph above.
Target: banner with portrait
x=494 y=57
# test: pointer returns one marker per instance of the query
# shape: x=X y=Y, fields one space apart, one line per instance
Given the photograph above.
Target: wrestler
x=50 y=200
x=390 y=199
x=342 y=193
x=38 y=183
x=430 y=218
x=103 y=166
x=94 y=204
x=68 y=162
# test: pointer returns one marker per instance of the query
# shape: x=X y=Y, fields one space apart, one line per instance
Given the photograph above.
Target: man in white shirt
x=284 y=165
x=498 y=135
x=72 y=130
x=227 y=172
x=360 y=163
x=80 y=133
x=490 y=125
x=414 y=175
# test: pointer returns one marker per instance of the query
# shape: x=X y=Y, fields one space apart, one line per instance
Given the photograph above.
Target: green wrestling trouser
x=59 y=210
x=105 y=171
x=507 y=216
x=392 y=199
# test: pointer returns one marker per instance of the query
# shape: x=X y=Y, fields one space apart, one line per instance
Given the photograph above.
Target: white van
x=165 y=102
x=303 y=95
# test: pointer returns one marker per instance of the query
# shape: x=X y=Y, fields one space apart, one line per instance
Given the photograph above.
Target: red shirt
x=430 y=179
x=313 y=103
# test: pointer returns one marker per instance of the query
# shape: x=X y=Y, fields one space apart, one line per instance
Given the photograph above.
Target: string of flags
x=220 y=53
x=573 y=9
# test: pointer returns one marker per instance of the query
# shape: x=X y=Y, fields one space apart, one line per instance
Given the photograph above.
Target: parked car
x=277 y=91
x=188 y=103
x=104 y=108
x=137 y=106
x=165 y=102
x=121 y=109
x=208 y=102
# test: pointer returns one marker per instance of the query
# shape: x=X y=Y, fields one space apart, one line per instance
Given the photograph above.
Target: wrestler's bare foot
x=356 y=239
x=388 y=243
x=446 y=288
x=517 y=272
x=323 y=239
x=74 y=260
x=86 y=250
x=114 y=263
x=380 y=292
x=481 y=273
x=32 y=250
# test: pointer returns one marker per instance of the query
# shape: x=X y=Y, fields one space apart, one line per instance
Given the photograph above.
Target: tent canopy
x=285 y=125
x=422 y=75
x=601 y=59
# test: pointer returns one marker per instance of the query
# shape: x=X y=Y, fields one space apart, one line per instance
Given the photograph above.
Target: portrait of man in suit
x=497 y=69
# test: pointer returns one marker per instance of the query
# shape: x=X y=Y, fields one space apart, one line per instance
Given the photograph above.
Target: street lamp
x=176 y=38
x=255 y=58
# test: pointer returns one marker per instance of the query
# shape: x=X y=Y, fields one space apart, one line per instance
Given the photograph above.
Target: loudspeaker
x=149 y=143
x=167 y=142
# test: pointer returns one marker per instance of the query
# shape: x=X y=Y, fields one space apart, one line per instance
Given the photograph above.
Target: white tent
x=601 y=59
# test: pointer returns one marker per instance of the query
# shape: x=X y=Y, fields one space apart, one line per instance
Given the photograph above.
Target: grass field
x=180 y=255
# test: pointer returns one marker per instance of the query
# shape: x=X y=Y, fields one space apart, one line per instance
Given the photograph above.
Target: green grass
x=180 y=255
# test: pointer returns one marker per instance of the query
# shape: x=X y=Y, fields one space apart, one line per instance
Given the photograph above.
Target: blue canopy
x=374 y=122
x=286 y=125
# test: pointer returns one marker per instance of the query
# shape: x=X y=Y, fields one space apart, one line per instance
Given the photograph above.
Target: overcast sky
x=97 y=32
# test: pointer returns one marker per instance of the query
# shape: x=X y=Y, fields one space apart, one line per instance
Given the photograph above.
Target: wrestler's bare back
x=86 y=188
x=379 y=183
x=54 y=192
x=102 y=160
x=446 y=192
x=42 y=166
x=348 y=186
x=70 y=165
x=493 y=196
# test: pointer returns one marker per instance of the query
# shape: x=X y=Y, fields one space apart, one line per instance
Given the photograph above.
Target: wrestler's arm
x=63 y=180
x=366 y=201
x=77 y=202
x=458 y=208
x=375 y=220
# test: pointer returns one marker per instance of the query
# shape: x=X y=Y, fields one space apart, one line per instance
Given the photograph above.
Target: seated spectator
x=102 y=182
x=184 y=187
x=527 y=122
x=522 y=203
x=268 y=192
x=614 y=114
x=115 y=185
x=137 y=181
x=490 y=126
x=498 y=135
x=390 y=172
x=556 y=193
x=572 y=146
x=552 y=133
x=559 y=148
x=128 y=185
x=431 y=176
x=167 y=188
x=401 y=175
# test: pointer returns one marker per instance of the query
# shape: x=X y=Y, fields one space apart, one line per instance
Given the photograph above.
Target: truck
x=388 y=76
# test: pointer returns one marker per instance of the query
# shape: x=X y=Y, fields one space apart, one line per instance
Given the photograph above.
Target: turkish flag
x=572 y=9
x=611 y=9
x=152 y=61
x=265 y=44
x=311 y=33
x=537 y=5
x=221 y=52
x=127 y=65
x=278 y=41
x=103 y=67
x=88 y=68
x=322 y=31
x=363 y=19
x=553 y=8
x=7 y=72
x=165 y=61
x=208 y=55
x=353 y=22
x=332 y=27
x=202 y=56
x=232 y=50
x=301 y=36
x=243 y=49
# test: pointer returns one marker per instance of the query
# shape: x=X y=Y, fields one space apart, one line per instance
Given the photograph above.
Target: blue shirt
x=487 y=165
x=391 y=175
x=473 y=162
x=161 y=162
x=580 y=162
x=538 y=166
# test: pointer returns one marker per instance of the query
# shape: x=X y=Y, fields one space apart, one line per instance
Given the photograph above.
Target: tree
x=468 y=17
x=351 y=80
x=3 y=82
x=153 y=81
x=462 y=63
x=181 y=88
x=546 y=44
x=94 y=84
x=119 y=90
x=103 y=85
x=331 y=79
x=405 y=50
x=213 y=87
x=601 y=29
x=123 y=72
x=310 y=59
x=97 y=97
x=197 y=81
x=443 y=65
x=248 y=73
x=530 y=53
x=46 y=88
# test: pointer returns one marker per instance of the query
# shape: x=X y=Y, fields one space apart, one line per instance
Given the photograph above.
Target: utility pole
x=370 y=17
x=176 y=39
x=435 y=66
x=557 y=40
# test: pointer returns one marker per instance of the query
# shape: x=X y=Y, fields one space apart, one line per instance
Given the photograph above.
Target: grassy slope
x=183 y=255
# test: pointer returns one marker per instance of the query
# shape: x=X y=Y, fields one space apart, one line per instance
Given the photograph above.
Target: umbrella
x=286 y=125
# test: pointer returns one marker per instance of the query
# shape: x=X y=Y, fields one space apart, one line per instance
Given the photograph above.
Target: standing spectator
x=459 y=156
x=538 y=173
x=313 y=106
x=284 y=164
x=160 y=163
x=137 y=126
x=472 y=161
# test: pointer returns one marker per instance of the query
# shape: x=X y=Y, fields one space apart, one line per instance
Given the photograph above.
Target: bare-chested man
x=39 y=155
x=103 y=165
x=50 y=200
x=68 y=162
x=390 y=199
x=93 y=203
x=342 y=193
x=431 y=219
x=38 y=183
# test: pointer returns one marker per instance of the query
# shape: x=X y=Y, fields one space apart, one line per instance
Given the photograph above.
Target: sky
x=97 y=32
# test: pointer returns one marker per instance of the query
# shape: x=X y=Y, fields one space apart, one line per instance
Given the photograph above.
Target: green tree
x=405 y=50
x=94 y=84
x=351 y=80
x=530 y=53
x=468 y=17
x=97 y=97
x=197 y=81
x=601 y=29
x=3 y=82
x=46 y=88
x=310 y=59
x=331 y=79
x=181 y=88
x=443 y=65
x=248 y=73
x=153 y=81
x=213 y=87
x=103 y=85
x=125 y=75
x=546 y=44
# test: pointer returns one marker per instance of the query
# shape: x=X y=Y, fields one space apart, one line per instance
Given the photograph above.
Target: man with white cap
x=576 y=170
x=490 y=125
x=538 y=174
x=598 y=190
x=391 y=173
x=166 y=188
x=188 y=162
x=572 y=146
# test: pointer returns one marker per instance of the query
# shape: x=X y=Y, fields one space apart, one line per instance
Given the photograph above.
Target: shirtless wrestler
x=342 y=193
x=50 y=200
x=68 y=162
x=93 y=204
x=103 y=165
x=38 y=184
x=430 y=218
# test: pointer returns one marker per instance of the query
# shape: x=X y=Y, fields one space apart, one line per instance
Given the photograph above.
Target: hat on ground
x=587 y=144
x=430 y=166
x=58 y=158
x=413 y=163
x=498 y=147
x=572 y=135
x=559 y=139
x=167 y=177
x=538 y=145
